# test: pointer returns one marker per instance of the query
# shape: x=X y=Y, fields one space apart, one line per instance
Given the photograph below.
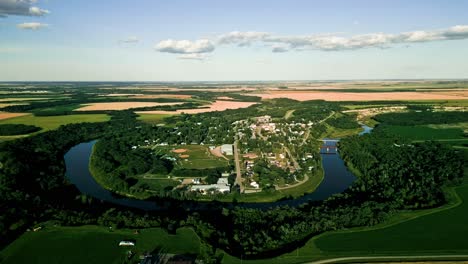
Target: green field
x=53 y=122
x=442 y=232
x=92 y=244
x=199 y=157
x=152 y=118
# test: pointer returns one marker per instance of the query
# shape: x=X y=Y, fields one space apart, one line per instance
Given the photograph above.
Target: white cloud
x=32 y=25
x=185 y=46
x=131 y=39
x=192 y=56
x=324 y=42
x=242 y=38
x=279 y=49
x=36 y=11
x=21 y=8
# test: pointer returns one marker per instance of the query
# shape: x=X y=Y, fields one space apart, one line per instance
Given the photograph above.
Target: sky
x=214 y=40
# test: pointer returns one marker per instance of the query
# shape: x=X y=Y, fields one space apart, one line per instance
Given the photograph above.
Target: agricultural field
x=53 y=122
x=93 y=244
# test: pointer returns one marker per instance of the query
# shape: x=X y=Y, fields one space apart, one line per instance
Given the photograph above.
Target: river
x=337 y=178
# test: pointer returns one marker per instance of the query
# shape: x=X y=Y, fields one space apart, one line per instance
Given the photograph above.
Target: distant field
x=152 y=118
x=120 y=105
x=53 y=122
x=92 y=244
x=361 y=96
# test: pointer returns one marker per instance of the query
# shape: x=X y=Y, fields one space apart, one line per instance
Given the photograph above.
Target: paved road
x=238 y=168
x=383 y=258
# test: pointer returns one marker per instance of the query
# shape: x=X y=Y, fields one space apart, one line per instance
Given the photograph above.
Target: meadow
x=199 y=157
x=53 y=122
x=93 y=244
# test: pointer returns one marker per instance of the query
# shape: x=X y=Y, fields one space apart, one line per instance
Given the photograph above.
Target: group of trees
x=421 y=118
x=17 y=129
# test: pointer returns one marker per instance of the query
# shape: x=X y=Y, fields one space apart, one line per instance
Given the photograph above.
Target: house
x=264 y=119
x=227 y=149
x=126 y=243
x=222 y=181
x=255 y=185
x=211 y=188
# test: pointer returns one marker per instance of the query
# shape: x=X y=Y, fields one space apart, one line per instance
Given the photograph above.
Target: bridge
x=328 y=149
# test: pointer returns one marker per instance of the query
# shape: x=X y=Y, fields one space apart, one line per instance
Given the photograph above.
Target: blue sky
x=184 y=40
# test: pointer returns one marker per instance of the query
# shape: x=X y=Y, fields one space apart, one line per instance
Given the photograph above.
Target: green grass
x=53 y=122
x=437 y=233
x=152 y=118
x=199 y=157
x=92 y=244
x=333 y=132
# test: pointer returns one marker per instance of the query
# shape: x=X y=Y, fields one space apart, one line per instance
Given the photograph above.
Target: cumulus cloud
x=324 y=42
x=21 y=8
x=242 y=38
x=32 y=26
x=330 y=42
x=193 y=56
x=185 y=46
x=131 y=39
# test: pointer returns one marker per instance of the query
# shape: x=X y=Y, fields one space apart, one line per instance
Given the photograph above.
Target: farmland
x=53 y=122
x=68 y=244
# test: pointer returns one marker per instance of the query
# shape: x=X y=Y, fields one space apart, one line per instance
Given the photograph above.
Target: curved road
x=398 y=258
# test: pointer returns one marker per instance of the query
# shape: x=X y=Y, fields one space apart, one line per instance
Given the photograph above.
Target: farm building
x=126 y=243
x=227 y=149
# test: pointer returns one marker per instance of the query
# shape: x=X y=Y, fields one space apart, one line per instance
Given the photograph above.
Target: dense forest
x=17 y=129
x=421 y=117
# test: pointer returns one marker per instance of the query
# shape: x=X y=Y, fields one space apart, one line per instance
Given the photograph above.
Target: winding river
x=336 y=179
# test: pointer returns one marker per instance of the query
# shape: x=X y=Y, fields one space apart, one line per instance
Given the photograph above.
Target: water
x=337 y=178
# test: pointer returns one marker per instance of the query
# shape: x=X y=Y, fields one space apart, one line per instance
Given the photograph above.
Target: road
x=326 y=118
x=238 y=168
x=383 y=258
x=296 y=165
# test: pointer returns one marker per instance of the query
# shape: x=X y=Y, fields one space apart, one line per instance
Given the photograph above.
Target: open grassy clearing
x=92 y=244
x=199 y=157
x=53 y=122
x=152 y=118
x=333 y=132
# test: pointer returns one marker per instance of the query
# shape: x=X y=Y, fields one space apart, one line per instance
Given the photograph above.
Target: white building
x=255 y=185
x=227 y=149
